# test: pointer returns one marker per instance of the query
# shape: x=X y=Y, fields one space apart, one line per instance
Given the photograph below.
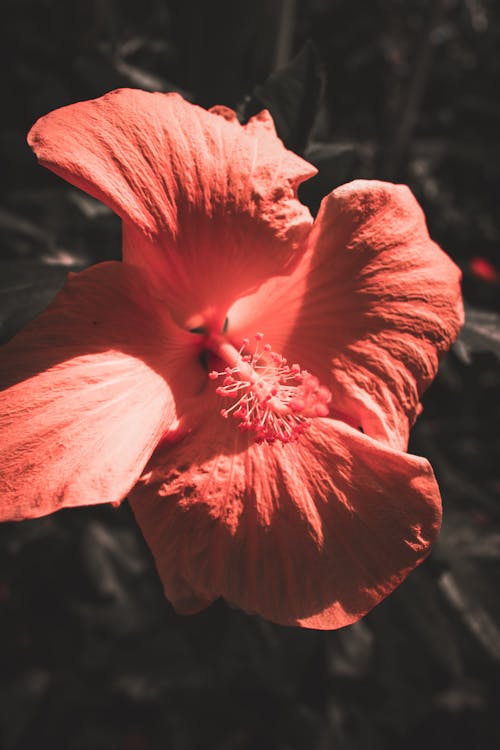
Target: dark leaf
x=113 y=564
x=336 y=163
x=481 y=333
x=26 y=288
x=292 y=95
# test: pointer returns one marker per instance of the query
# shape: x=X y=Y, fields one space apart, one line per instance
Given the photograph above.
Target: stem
x=284 y=40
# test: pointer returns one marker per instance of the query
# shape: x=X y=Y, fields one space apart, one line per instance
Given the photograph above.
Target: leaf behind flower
x=293 y=96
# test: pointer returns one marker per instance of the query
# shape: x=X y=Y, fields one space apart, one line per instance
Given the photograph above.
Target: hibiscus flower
x=246 y=376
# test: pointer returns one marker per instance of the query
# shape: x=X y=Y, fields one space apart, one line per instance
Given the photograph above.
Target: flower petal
x=369 y=310
x=88 y=390
x=313 y=533
x=209 y=206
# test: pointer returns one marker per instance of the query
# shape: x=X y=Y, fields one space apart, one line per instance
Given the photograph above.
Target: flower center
x=271 y=398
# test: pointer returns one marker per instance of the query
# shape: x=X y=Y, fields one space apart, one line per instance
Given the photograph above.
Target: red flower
x=305 y=507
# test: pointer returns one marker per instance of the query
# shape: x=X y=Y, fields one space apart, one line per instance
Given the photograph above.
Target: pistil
x=271 y=398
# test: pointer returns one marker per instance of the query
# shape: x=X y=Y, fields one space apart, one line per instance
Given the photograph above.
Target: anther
x=274 y=400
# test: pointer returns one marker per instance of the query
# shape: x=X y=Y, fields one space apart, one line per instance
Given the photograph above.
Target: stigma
x=271 y=399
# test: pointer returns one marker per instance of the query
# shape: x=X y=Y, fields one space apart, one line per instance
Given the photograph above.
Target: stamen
x=271 y=398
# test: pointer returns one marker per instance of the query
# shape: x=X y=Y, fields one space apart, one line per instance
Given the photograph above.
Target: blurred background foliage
x=91 y=655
